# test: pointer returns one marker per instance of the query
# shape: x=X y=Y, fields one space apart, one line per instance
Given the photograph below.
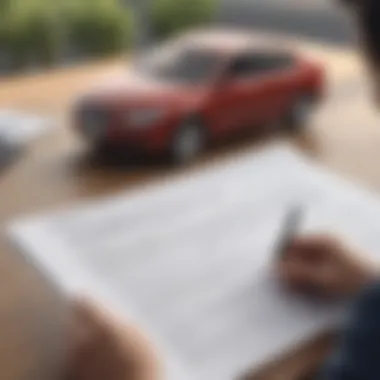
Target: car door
x=273 y=84
x=234 y=97
x=288 y=75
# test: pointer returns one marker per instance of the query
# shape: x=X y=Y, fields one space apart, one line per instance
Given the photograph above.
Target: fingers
x=316 y=249
x=309 y=261
x=315 y=242
x=101 y=322
x=308 y=250
x=297 y=275
x=90 y=321
x=322 y=264
x=111 y=343
x=98 y=320
x=90 y=313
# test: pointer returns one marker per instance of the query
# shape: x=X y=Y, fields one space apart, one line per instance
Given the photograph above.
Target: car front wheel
x=188 y=142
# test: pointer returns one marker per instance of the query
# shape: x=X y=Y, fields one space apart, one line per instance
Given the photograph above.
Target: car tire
x=189 y=142
x=298 y=117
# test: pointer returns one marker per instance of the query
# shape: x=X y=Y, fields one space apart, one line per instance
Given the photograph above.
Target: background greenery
x=46 y=32
x=171 y=16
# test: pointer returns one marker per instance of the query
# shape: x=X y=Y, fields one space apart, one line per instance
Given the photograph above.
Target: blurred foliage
x=98 y=27
x=41 y=30
x=30 y=32
x=172 y=16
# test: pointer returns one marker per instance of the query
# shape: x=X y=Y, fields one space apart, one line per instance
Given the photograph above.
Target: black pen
x=291 y=227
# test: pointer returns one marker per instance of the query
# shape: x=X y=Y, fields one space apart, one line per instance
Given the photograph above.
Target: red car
x=197 y=88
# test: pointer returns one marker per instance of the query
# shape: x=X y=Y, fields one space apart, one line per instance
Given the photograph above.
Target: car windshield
x=186 y=65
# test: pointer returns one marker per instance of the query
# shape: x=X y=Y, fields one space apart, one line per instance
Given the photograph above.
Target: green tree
x=29 y=32
x=39 y=30
x=171 y=16
x=98 y=27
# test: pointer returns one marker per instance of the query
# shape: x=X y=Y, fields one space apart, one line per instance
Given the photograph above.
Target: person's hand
x=324 y=266
x=104 y=348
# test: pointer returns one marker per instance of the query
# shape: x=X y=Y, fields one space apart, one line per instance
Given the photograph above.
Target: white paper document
x=191 y=260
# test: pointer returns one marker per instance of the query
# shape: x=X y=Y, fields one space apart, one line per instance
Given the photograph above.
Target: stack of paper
x=191 y=260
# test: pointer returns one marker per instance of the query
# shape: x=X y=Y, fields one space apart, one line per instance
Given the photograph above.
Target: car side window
x=253 y=64
x=270 y=62
x=242 y=67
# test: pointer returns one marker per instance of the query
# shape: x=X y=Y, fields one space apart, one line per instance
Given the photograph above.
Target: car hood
x=133 y=90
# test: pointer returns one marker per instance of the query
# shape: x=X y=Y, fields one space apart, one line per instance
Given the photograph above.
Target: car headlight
x=143 y=117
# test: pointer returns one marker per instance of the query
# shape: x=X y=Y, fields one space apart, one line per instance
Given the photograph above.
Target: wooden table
x=57 y=172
